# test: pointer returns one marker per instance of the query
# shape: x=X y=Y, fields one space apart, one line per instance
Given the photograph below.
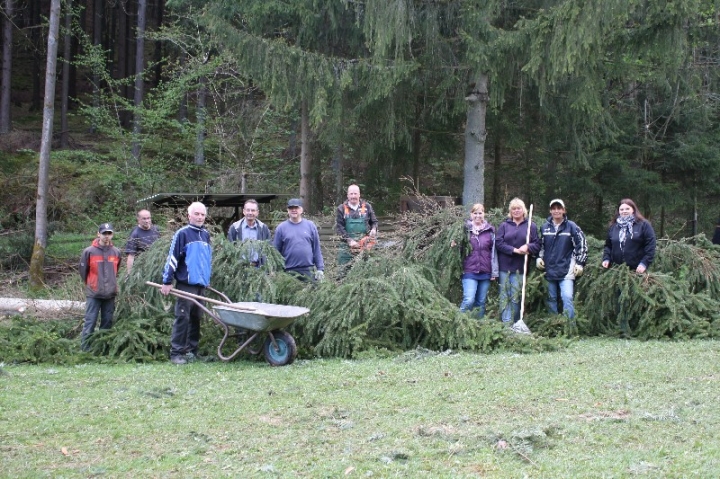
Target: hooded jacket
x=483 y=256
x=510 y=236
x=562 y=249
x=99 y=266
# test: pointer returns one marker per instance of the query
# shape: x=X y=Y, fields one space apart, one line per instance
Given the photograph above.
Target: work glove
x=319 y=276
x=540 y=263
x=578 y=270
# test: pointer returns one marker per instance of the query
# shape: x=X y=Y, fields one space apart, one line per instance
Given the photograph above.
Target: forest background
x=590 y=101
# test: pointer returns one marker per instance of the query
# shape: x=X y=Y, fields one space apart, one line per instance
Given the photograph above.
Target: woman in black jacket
x=630 y=239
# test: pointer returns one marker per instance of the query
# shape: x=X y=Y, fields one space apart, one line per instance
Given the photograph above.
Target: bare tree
x=201 y=116
x=65 y=90
x=97 y=41
x=5 y=119
x=37 y=276
x=139 y=82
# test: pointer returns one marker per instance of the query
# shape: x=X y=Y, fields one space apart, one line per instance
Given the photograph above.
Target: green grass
x=601 y=408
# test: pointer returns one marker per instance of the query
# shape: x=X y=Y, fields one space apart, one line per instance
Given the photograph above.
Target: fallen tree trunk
x=14 y=306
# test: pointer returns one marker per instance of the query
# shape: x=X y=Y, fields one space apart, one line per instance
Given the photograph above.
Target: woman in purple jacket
x=512 y=248
x=480 y=266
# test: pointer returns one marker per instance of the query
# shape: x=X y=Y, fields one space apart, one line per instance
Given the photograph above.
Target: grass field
x=602 y=408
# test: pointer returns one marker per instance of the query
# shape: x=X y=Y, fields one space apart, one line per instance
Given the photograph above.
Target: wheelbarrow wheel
x=284 y=353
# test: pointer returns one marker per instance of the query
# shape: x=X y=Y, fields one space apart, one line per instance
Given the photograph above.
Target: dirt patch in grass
x=619 y=415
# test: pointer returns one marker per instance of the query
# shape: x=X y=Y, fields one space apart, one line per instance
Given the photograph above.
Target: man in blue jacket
x=562 y=255
x=189 y=262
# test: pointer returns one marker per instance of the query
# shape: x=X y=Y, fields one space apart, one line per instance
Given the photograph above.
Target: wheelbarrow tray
x=260 y=317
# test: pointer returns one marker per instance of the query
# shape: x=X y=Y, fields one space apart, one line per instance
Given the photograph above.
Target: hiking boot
x=178 y=360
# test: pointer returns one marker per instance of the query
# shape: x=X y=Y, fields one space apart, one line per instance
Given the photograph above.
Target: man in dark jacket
x=563 y=255
x=141 y=237
x=99 y=265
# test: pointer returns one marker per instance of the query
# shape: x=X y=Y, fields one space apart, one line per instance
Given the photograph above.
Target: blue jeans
x=509 y=296
x=565 y=289
x=94 y=306
x=475 y=295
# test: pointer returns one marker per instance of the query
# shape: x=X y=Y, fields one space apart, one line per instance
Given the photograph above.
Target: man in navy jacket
x=563 y=255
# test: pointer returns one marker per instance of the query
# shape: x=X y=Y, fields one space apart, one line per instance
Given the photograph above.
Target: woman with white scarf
x=630 y=239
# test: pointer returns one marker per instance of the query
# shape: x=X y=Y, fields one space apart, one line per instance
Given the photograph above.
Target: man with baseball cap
x=298 y=241
x=99 y=265
x=563 y=254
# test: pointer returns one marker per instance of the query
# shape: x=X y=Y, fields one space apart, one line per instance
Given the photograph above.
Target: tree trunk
x=37 y=277
x=64 y=95
x=338 y=162
x=417 y=142
x=475 y=133
x=121 y=68
x=495 y=203
x=182 y=108
x=36 y=41
x=139 y=82
x=201 y=114
x=158 y=58
x=5 y=86
x=305 y=155
x=317 y=202
x=97 y=41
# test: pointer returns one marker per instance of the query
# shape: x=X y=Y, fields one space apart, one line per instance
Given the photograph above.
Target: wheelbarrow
x=251 y=322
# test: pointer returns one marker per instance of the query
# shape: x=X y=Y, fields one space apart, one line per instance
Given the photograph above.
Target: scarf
x=475 y=229
x=626 y=229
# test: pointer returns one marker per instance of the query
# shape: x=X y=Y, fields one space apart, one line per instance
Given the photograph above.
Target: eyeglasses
x=107 y=233
x=293 y=207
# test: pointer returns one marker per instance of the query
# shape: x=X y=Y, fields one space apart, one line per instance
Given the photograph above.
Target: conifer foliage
x=675 y=299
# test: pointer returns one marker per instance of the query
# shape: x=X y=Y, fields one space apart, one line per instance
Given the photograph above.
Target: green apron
x=356 y=228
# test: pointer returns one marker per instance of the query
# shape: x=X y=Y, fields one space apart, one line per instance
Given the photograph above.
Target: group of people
x=189 y=261
x=489 y=254
x=560 y=249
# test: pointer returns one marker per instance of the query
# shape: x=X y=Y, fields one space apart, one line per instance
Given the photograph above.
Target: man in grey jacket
x=250 y=228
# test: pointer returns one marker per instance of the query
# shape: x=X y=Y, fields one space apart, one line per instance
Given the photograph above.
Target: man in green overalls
x=356 y=223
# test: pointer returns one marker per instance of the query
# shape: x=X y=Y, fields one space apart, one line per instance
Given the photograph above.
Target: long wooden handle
x=525 y=267
x=178 y=292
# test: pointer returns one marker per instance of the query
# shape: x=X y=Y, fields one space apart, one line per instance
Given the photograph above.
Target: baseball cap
x=294 y=202
x=105 y=227
x=558 y=201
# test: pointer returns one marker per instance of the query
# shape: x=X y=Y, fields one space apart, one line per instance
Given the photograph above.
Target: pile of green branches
x=24 y=340
x=655 y=305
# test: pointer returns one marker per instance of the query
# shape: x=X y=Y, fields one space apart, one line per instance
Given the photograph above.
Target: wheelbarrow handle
x=177 y=292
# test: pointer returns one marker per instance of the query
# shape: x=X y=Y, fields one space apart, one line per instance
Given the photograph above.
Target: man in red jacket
x=99 y=265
